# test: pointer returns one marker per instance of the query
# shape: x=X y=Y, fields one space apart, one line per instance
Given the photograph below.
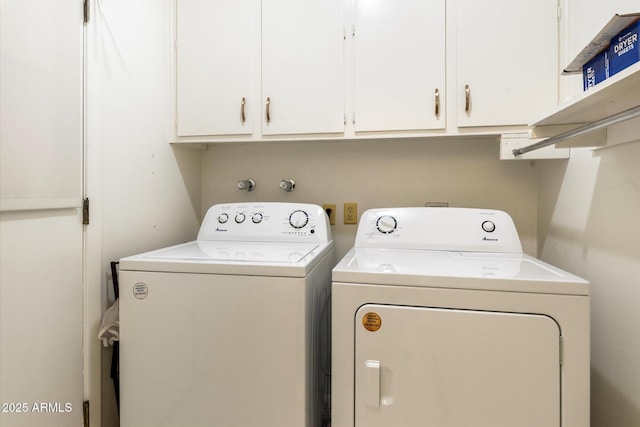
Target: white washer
x=440 y=320
x=231 y=329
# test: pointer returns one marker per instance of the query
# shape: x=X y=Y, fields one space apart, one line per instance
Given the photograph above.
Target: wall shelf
x=583 y=120
x=610 y=97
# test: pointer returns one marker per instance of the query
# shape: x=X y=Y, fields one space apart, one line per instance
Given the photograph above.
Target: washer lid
x=460 y=270
x=220 y=257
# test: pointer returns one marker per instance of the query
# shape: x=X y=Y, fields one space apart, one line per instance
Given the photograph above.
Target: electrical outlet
x=330 y=209
x=350 y=213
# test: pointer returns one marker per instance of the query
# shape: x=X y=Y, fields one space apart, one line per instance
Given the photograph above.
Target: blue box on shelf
x=596 y=70
x=624 y=49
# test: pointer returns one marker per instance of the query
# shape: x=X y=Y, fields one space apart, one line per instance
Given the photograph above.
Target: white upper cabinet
x=302 y=67
x=250 y=68
x=336 y=69
x=399 y=64
x=507 y=61
x=214 y=67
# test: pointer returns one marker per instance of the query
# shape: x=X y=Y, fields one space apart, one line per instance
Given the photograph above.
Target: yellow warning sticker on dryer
x=371 y=321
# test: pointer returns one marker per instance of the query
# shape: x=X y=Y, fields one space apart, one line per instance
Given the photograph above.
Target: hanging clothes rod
x=582 y=130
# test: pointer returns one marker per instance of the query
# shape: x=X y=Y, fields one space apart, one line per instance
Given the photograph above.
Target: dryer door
x=428 y=367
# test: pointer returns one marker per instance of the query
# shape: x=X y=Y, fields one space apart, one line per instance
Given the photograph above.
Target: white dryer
x=440 y=320
x=231 y=329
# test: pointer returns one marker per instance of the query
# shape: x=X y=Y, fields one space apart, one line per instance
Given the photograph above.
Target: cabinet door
x=302 y=66
x=214 y=67
x=428 y=367
x=399 y=64
x=507 y=56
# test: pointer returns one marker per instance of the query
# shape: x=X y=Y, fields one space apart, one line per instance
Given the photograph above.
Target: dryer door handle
x=372 y=368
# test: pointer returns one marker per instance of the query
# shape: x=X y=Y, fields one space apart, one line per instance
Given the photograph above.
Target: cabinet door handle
x=467 y=103
x=437 y=103
x=268 y=113
x=244 y=119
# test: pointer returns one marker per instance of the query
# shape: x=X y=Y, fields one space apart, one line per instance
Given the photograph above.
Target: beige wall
x=590 y=225
x=376 y=174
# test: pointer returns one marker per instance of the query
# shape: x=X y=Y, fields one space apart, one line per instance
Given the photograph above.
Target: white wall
x=376 y=174
x=589 y=224
x=144 y=193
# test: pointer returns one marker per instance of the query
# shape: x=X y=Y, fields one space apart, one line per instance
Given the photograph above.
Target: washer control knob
x=257 y=218
x=488 y=226
x=223 y=218
x=298 y=219
x=240 y=218
x=386 y=224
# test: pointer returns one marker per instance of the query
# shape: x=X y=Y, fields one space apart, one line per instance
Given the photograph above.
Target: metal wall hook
x=287 y=185
x=247 y=184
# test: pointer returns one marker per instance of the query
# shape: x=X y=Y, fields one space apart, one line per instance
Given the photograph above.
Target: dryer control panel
x=450 y=229
x=266 y=222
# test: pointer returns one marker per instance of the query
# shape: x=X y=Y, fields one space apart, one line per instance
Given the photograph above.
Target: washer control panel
x=452 y=229
x=266 y=222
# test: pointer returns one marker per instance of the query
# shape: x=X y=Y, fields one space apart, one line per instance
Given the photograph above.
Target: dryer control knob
x=386 y=224
x=256 y=218
x=223 y=218
x=489 y=226
x=240 y=218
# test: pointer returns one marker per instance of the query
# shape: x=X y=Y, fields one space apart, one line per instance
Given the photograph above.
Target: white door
x=302 y=67
x=41 y=231
x=214 y=67
x=507 y=61
x=429 y=367
x=399 y=49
